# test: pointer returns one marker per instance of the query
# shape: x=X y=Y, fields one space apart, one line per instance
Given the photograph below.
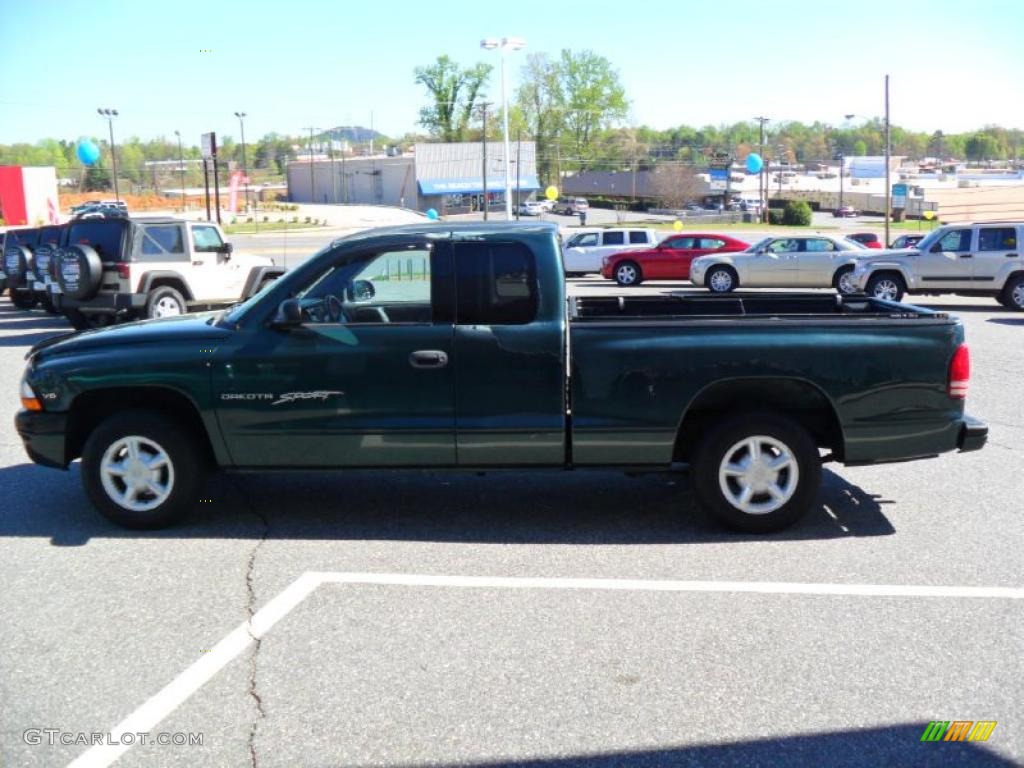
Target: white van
x=583 y=252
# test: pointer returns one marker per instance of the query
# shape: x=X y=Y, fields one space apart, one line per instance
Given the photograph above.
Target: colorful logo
x=958 y=730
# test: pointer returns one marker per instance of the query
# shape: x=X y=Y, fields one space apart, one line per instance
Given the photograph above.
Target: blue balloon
x=431 y=214
x=88 y=152
x=754 y=163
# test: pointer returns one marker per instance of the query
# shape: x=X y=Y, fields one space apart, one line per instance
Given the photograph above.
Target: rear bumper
x=973 y=434
x=106 y=303
x=43 y=434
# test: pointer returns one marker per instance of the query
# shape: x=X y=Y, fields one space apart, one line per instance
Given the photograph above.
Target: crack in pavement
x=250 y=609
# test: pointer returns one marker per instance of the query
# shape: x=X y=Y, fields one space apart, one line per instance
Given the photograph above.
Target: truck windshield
x=930 y=239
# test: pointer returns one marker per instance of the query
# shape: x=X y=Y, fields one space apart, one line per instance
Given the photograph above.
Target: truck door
x=947 y=264
x=509 y=377
x=777 y=264
x=997 y=253
x=214 y=274
x=366 y=380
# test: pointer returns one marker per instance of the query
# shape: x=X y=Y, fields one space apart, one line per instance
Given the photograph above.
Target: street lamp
x=505 y=44
x=181 y=168
x=110 y=114
x=245 y=168
x=842 y=162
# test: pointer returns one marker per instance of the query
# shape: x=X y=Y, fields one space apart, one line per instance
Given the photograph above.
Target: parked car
x=799 y=261
x=19 y=245
x=668 y=260
x=845 y=211
x=906 y=241
x=570 y=206
x=870 y=239
x=584 y=252
x=121 y=269
x=964 y=259
x=545 y=204
x=336 y=367
x=530 y=208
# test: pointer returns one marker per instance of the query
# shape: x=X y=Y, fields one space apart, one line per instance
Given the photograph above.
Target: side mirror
x=363 y=290
x=288 y=315
x=226 y=249
x=937 y=248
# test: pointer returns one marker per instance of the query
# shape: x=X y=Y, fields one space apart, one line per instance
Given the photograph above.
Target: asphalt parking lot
x=522 y=618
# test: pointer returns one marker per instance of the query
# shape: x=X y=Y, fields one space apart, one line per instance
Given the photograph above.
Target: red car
x=669 y=260
x=870 y=239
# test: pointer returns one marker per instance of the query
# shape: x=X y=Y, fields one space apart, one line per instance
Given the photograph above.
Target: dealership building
x=446 y=177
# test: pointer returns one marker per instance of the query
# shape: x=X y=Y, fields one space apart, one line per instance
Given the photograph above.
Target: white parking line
x=175 y=693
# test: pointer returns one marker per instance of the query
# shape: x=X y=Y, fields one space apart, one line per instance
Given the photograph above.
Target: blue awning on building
x=466 y=186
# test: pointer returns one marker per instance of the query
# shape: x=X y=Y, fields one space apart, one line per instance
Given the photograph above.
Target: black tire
x=800 y=479
x=162 y=299
x=181 y=477
x=716 y=277
x=1012 y=296
x=23 y=299
x=46 y=302
x=886 y=285
x=628 y=273
x=837 y=280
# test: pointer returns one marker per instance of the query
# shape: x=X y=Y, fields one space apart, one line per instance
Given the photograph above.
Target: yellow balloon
x=929 y=215
x=677 y=225
x=551 y=193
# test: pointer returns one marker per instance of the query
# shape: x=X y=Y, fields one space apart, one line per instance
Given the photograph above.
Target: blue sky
x=955 y=66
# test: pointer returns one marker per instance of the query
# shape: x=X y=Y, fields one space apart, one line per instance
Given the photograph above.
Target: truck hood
x=195 y=327
x=887 y=255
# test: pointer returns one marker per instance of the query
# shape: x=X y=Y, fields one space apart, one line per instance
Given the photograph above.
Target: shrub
x=797 y=213
x=774 y=216
x=234 y=220
x=266 y=219
x=295 y=219
x=307 y=220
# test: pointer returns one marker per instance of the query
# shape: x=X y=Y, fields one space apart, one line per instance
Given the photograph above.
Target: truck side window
x=159 y=239
x=206 y=239
x=638 y=238
x=957 y=240
x=614 y=238
x=997 y=239
x=495 y=284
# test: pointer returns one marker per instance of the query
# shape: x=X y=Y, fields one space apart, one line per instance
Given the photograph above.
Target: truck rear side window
x=160 y=239
x=496 y=284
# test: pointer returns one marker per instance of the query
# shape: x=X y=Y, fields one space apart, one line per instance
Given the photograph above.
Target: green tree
x=454 y=92
x=983 y=146
x=797 y=213
x=860 y=147
x=540 y=101
x=593 y=98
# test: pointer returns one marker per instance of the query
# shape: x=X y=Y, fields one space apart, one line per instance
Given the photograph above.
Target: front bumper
x=973 y=434
x=106 y=303
x=43 y=434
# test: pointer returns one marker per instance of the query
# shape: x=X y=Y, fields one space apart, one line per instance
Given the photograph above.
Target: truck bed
x=774 y=306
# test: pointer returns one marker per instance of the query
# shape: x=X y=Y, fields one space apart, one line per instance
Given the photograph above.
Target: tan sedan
x=788 y=261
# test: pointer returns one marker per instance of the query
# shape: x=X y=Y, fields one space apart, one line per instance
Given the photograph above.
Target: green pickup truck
x=455 y=347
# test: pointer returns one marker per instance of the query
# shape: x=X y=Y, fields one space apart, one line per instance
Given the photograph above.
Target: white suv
x=966 y=259
x=584 y=251
x=119 y=268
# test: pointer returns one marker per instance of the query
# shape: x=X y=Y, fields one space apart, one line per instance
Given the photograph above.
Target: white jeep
x=981 y=259
x=113 y=269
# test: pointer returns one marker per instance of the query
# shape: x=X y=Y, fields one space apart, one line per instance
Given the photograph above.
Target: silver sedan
x=788 y=261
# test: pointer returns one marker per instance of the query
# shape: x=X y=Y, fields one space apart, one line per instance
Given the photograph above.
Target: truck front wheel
x=886 y=285
x=757 y=472
x=165 y=301
x=141 y=471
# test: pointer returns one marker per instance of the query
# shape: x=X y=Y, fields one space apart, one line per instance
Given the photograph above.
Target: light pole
x=110 y=114
x=505 y=44
x=181 y=169
x=761 y=213
x=842 y=162
x=245 y=167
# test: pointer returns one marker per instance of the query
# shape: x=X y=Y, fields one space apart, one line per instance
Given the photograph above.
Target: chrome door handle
x=428 y=358
x=1011 y=255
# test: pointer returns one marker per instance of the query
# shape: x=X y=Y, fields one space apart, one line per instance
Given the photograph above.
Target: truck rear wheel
x=757 y=472
x=141 y=471
x=886 y=285
x=628 y=273
x=1012 y=296
x=721 y=280
x=165 y=301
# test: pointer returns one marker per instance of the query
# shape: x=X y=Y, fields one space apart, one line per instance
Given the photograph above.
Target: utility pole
x=763 y=213
x=334 y=178
x=245 y=166
x=110 y=114
x=312 y=190
x=483 y=117
x=519 y=146
x=888 y=150
x=181 y=168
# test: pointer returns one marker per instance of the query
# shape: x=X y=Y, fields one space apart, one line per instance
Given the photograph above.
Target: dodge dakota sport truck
x=453 y=346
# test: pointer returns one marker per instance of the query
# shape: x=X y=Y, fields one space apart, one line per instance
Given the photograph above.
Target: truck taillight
x=959 y=372
x=124 y=271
